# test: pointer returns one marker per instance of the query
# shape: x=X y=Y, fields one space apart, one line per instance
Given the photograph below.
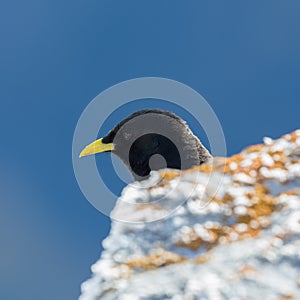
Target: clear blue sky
x=55 y=56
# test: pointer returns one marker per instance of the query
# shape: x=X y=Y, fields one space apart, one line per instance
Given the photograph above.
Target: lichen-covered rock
x=229 y=229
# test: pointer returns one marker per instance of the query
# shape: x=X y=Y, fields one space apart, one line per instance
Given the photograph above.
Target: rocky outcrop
x=229 y=229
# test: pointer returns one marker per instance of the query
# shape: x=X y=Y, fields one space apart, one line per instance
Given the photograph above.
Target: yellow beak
x=96 y=147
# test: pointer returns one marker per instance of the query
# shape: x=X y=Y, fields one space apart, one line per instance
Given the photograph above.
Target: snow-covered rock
x=229 y=229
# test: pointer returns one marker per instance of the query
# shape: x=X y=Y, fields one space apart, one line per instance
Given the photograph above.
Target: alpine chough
x=151 y=139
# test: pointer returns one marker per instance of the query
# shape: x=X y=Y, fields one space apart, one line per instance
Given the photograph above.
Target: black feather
x=153 y=139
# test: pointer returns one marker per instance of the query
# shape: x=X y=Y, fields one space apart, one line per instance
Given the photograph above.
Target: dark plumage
x=153 y=139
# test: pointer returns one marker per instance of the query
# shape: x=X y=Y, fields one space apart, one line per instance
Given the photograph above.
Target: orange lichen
x=287 y=297
x=293 y=136
x=151 y=206
x=206 y=168
x=202 y=259
x=247 y=270
x=168 y=175
x=254 y=148
x=262 y=206
x=194 y=241
x=293 y=192
x=266 y=203
x=157 y=259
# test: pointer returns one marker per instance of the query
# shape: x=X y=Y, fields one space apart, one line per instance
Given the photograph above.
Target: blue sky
x=56 y=56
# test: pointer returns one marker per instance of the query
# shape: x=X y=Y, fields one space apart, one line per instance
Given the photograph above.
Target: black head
x=153 y=139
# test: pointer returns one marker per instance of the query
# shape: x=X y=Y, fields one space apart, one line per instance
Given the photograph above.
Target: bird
x=151 y=139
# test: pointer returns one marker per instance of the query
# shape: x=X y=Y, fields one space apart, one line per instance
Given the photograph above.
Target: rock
x=229 y=229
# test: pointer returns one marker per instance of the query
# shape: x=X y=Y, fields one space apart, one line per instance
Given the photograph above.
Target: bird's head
x=151 y=139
